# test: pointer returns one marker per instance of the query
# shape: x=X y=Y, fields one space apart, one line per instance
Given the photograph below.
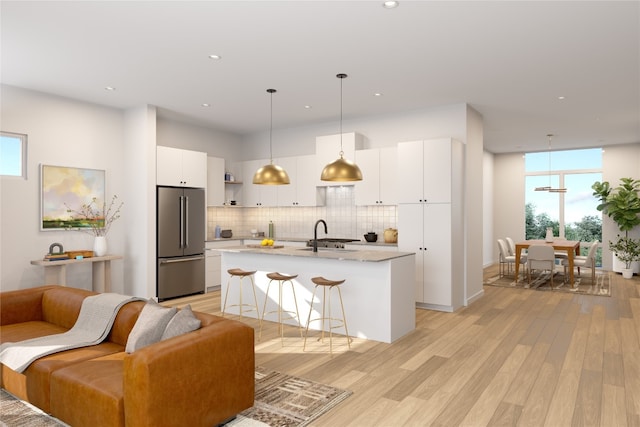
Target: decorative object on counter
x=217 y=232
x=272 y=231
x=341 y=169
x=232 y=202
x=55 y=255
x=80 y=254
x=391 y=235
x=371 y=237
x=97 y=221
x=271 y=174
x=226 y=234
x=549 y=188
x=100 y=245
x=549 y=236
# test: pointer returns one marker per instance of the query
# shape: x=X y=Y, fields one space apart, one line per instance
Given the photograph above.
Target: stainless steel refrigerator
x=180 y=241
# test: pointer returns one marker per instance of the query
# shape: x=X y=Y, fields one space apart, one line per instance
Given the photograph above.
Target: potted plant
x=627 y=250
x=622 y=205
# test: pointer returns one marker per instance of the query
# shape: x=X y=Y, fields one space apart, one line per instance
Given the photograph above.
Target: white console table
x=55 y=272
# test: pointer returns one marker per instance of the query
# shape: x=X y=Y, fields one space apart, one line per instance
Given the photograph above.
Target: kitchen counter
x=378 y=244
x=323 y=253
x=378 y=292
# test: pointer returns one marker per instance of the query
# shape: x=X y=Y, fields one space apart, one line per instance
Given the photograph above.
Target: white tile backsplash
x=344 y=219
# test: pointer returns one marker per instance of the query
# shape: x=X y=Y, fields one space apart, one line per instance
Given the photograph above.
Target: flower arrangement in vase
x=96 y=220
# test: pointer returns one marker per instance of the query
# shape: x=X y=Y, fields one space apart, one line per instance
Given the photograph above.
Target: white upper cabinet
x=254 y=194
x=215 y=181
x=426 y=170
x=328 y=150
x=379 y=168
x=181 y=168
x=302 y=190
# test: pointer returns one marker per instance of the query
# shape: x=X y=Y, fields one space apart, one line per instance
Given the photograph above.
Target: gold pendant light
x=342 y=169
x=549 y=188
x=271 y=174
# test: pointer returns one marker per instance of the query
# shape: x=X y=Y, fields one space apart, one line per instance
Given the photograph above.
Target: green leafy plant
x=626 y=249
x=622 y=205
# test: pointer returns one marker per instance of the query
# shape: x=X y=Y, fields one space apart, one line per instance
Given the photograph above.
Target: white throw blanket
x=97 y=314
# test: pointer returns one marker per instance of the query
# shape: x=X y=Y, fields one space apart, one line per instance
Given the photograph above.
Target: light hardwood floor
x=514 y=357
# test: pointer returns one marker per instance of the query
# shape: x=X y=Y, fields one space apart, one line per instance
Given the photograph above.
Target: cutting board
x=265 y=247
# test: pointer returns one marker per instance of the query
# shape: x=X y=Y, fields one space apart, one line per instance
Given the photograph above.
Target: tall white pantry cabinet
x=430 y=219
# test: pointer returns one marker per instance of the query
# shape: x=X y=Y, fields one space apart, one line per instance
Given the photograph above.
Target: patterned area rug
x=286 y=401
x=541 y=282
x=16 y=413
x=281 y=400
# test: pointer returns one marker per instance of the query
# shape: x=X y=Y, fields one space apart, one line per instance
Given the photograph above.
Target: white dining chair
x=507 y=259
x=587 y=261
x=541 y=257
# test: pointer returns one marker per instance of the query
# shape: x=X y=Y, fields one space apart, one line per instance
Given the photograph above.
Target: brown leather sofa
x=201 y=378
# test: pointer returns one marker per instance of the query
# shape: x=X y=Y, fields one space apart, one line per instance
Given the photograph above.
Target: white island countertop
x=362 y=255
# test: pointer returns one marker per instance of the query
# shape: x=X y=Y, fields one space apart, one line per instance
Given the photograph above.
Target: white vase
x=100 y=246
x=549 y=237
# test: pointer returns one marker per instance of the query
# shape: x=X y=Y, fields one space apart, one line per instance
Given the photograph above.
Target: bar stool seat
x=281 y=279
x=333 y=322
x=241 y=274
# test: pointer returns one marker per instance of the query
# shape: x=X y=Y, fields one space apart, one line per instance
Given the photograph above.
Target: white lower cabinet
x=429 y=231
x=213 y=272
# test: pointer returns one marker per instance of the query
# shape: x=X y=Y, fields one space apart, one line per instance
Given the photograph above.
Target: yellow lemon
x=270 y=242
x=264 y=242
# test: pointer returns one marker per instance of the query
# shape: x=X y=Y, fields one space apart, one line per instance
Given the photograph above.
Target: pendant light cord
x=271 y=91
x=341 y=76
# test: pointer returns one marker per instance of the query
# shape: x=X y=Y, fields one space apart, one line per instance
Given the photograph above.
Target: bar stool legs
x=241 y=274
x=333 y=322
x=281 y=279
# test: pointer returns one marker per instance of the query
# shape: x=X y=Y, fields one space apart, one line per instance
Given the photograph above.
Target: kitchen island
x=378 y=294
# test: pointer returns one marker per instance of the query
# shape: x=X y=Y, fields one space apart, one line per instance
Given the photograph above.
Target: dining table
x=571 y=247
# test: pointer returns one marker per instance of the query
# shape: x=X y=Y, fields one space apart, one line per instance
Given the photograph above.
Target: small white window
x=13 y=154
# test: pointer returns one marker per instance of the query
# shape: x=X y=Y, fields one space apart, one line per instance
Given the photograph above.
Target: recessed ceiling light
x=561 y=98
x=110 y=88
x=308 y=107
x=390 y=4
x=215 y=56
x=206 y=105
x=377 y=94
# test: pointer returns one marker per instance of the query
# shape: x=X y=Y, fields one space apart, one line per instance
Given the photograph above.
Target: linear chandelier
x=549 y=188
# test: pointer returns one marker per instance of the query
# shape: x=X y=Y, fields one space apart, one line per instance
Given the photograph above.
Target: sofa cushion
x=61 y=305
x=184 y=321
x=90 y=393
x=150 y=326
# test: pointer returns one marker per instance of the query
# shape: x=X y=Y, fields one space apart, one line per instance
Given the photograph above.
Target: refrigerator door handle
x=171 y=261
x=186 y=221
x=181 y=221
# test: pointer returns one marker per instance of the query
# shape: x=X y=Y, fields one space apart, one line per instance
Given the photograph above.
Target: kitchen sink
x=329 y=250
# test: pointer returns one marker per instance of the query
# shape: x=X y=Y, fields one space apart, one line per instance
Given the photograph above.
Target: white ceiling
x=510 y=60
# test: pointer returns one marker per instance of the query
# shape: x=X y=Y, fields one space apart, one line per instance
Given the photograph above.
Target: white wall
x=488 y=208
x=60 y=132
x=378 y=131
x=191 y=137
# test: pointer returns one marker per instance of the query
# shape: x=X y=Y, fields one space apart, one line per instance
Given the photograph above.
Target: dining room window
x=572 y=215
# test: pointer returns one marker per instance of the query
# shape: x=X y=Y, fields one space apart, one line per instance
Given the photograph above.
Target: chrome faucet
x=315 y=233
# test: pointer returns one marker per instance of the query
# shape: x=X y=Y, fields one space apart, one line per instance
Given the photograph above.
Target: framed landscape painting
x=65 y=188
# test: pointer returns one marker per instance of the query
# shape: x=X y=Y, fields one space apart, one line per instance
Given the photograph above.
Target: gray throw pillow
x=150 y=326
x=184 y=321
